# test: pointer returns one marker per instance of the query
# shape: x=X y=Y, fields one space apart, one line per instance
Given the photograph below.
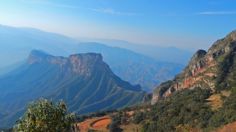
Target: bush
x=116 y=121
x=138 y=117
x=45 y=116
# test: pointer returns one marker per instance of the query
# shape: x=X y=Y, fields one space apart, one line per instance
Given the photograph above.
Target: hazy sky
x=179 y=23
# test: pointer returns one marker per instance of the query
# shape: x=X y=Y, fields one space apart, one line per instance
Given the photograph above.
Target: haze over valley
x=117 y=66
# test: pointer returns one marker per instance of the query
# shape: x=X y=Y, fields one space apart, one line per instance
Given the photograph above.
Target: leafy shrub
x=116 y=122
x=45 y=116
x=138 y=117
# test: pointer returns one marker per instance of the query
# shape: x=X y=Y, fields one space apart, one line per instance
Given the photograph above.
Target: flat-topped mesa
x=204 y=69
x=83 y=64
x=84 y=81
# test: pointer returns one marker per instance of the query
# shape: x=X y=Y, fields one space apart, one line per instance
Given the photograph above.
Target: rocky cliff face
x=209 y=69
x=80 y=64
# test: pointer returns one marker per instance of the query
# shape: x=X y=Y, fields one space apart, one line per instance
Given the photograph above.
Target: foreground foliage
x=186 y=107
x=187 y=110
x=45 y=116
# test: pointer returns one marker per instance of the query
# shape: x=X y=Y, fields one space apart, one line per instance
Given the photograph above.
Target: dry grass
x=226 y=93
x=215 y=101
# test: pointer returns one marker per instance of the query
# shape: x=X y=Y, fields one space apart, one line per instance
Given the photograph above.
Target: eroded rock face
x=203 y=70
x=81 y=64
x=85 y=63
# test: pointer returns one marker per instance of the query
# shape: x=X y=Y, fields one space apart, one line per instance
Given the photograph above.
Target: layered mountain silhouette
x=133 y=67
x=84 y=81
x=214 y=69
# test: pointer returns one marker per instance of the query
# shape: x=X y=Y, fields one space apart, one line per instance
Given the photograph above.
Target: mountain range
x=201 y=98
x=166 y=54
x=127 y=64
x=84 y=81
x=133 y=67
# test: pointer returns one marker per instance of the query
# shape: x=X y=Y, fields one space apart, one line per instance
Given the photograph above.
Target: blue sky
x=179 y=23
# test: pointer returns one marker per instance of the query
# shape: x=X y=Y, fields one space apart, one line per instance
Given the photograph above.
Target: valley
x=200 y=98
x=129 y=65
x=117 y=66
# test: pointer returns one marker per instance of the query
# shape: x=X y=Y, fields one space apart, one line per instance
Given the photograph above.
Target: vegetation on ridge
x=188 y=110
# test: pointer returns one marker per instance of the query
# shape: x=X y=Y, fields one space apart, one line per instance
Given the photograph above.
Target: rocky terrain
x=212 y=69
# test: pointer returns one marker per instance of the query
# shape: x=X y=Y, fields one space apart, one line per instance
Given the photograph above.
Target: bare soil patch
x=96 y=123
x=101 y=124
x=228 y=128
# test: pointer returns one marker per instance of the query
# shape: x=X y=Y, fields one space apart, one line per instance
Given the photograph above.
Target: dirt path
x=96 y=123
x=101 y=124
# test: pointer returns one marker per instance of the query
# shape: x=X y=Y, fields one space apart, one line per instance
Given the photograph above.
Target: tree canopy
x=45 y=116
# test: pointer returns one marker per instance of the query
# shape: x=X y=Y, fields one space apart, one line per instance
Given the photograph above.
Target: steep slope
x=130 y=66
x=84 y=81
x=214 y=69
x=134 y=67
x=201 y=98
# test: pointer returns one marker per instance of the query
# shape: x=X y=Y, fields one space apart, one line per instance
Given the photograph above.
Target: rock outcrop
x=212 y=69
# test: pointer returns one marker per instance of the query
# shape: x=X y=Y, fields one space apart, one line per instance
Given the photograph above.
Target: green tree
x=116 y=121
x=138 y=117
x=45 y=116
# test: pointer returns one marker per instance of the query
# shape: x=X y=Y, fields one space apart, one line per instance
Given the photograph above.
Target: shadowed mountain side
x=84 y=81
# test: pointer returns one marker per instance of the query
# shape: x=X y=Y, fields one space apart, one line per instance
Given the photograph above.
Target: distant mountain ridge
x=133 y=67
x=84 y=81
x=213 y=69
x=130 y=66
x=166 y=54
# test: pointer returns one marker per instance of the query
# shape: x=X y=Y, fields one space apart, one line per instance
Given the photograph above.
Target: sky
x=188 y=24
